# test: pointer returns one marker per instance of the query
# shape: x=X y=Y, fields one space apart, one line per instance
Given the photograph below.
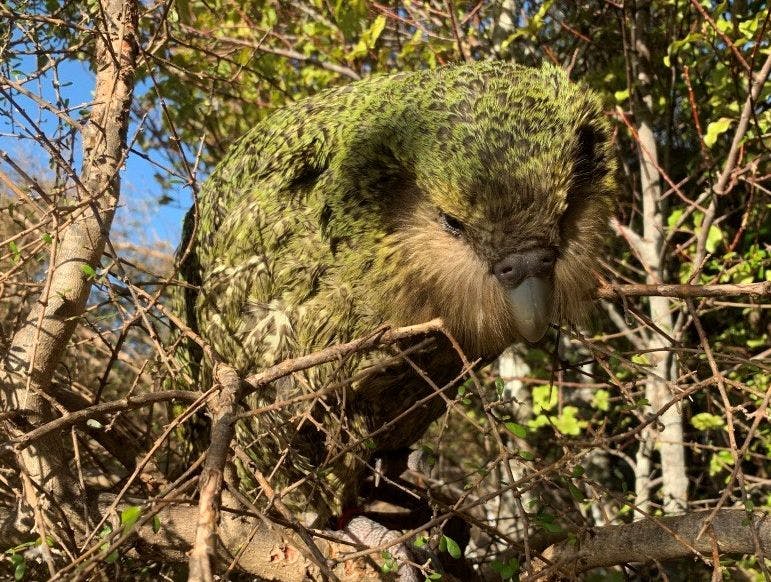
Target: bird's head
x=492 y=186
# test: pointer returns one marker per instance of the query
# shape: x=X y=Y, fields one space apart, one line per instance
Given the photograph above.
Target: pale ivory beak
x=531 y=303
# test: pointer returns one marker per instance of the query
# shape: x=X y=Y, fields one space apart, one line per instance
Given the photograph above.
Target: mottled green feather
x=323 y=223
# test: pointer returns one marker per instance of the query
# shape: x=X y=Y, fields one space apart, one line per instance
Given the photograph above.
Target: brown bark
x=76 y=250
x=733 y=530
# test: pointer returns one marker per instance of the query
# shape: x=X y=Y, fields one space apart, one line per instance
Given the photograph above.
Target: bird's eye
x=451 y=224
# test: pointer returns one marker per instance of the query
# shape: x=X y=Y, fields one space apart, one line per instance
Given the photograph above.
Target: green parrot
x=475 y=193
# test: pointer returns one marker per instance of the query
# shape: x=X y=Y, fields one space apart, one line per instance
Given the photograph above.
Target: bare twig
x=757 y=290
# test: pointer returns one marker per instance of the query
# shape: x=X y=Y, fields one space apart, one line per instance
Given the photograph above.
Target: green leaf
x=544 y=398
x=526 y=455
x=551 y=527
x=88 y=271
x=389 y=563
x=715 y=129
x=516 y=429
x=451 y=547
x=508 y=570
x=720 y=461
x=576 y=493
x=641 y=360
x=420 y=541
x=674 y=217
x=376 y=29
x=714 y=236
x=707 y=421
x=578 y=470
x=14 y=251
x=568 y=422
x=601 y=400
x=621 y=96
x=156 y=523
x=129 y=516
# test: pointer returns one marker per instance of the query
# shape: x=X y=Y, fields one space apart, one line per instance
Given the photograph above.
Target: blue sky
x=140 y=216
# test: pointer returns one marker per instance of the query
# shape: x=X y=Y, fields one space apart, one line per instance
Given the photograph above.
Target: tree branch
x=613 y=291
x=76 y=250
x=733 y=530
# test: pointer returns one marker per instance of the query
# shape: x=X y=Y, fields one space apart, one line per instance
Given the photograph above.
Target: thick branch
x=274 y=553
x=665 y=538
x=37 y=347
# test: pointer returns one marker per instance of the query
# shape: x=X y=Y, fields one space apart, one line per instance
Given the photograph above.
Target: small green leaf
x=389 y=563
x=526 y=455
x=551 y=527
x=715 y=130
x=516 y=429
x=544 y=398
x=621 y=96
x=576 y=493
x=674 y=217
x=601 y=400
x=578 y=471
x=88 y=271
x=14 y=251
x=720 y=461
x=568 y=422
x=47 y=238
x=508 y=570
x=129 y=516
x=707 y=421
x=376 y=29
x=420 y=541
x=451 y=547
x=641 y=360
x=156 y=523
x=714 y=236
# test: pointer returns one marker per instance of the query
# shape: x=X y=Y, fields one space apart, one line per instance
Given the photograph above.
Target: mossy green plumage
x=323 y=223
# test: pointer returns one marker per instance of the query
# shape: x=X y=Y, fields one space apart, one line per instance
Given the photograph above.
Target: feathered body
x=389 y=201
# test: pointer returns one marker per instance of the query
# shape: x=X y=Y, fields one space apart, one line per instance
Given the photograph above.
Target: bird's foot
x=362 y=530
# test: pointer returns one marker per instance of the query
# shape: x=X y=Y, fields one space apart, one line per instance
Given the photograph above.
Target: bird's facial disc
x=531 y=304
x=527 y=277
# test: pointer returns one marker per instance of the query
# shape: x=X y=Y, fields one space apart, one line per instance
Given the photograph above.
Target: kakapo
x=475 y=193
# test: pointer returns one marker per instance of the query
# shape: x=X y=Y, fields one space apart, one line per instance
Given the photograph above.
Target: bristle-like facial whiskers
x=446 y=278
